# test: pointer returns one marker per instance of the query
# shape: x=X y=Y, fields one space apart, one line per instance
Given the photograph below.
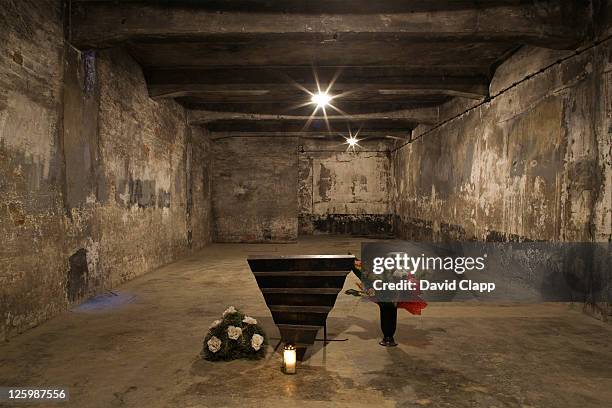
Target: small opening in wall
x=77 y=275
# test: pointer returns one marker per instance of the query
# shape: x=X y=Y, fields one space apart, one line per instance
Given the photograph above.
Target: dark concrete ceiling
x=245 y=66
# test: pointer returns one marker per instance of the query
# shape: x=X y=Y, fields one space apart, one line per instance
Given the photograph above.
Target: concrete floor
x=140 y=349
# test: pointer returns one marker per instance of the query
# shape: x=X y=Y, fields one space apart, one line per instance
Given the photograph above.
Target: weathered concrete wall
x=344 y=192
x=146 y=209
x=98 y=182
x=264 y=186
x=32 y=260
x=199 y=187
x=533 y=163
x=255 y=189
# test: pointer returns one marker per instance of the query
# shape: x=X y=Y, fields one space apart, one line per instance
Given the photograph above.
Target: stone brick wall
x=344 y=192
x=155 y=176
x=33 y=264
x=272 y=189
x=98 y=182
x=533 y=163
x=200 y=183
x=254 y=190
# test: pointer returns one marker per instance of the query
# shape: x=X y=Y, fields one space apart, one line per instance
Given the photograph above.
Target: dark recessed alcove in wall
x=76 y=285
x=373 y=225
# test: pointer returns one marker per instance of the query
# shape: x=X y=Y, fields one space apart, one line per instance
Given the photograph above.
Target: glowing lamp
x=352 y=141
x=289 y=359
x=321 y=99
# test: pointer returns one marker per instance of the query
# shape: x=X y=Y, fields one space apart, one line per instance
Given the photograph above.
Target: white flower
x=214 y=324
x=257 y=341
x=249 y=320
x=229 y=310
x=214 y=344
x=234 y=332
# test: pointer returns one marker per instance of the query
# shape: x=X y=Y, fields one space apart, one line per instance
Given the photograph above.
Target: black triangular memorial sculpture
x=300 y=291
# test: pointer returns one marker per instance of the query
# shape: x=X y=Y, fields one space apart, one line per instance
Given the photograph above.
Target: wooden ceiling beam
x=390 y=135
x=370 y=129
x=352 y=108
x=560 y=25
x=402 y=117
x=234 y=82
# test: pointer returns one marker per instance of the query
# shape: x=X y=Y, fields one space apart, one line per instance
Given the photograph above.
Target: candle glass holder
x=289 y=359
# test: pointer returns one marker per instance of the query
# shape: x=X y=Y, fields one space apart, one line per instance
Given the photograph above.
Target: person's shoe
x=388 y=342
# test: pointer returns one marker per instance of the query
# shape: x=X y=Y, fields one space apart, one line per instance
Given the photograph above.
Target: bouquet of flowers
x=234 y=336
x=414 y=306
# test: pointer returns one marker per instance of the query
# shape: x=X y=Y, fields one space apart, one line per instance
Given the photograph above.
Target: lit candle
x=289 y=358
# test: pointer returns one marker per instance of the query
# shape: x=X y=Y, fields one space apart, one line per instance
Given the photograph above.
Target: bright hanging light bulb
x=352 y=141
x=321 y=99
